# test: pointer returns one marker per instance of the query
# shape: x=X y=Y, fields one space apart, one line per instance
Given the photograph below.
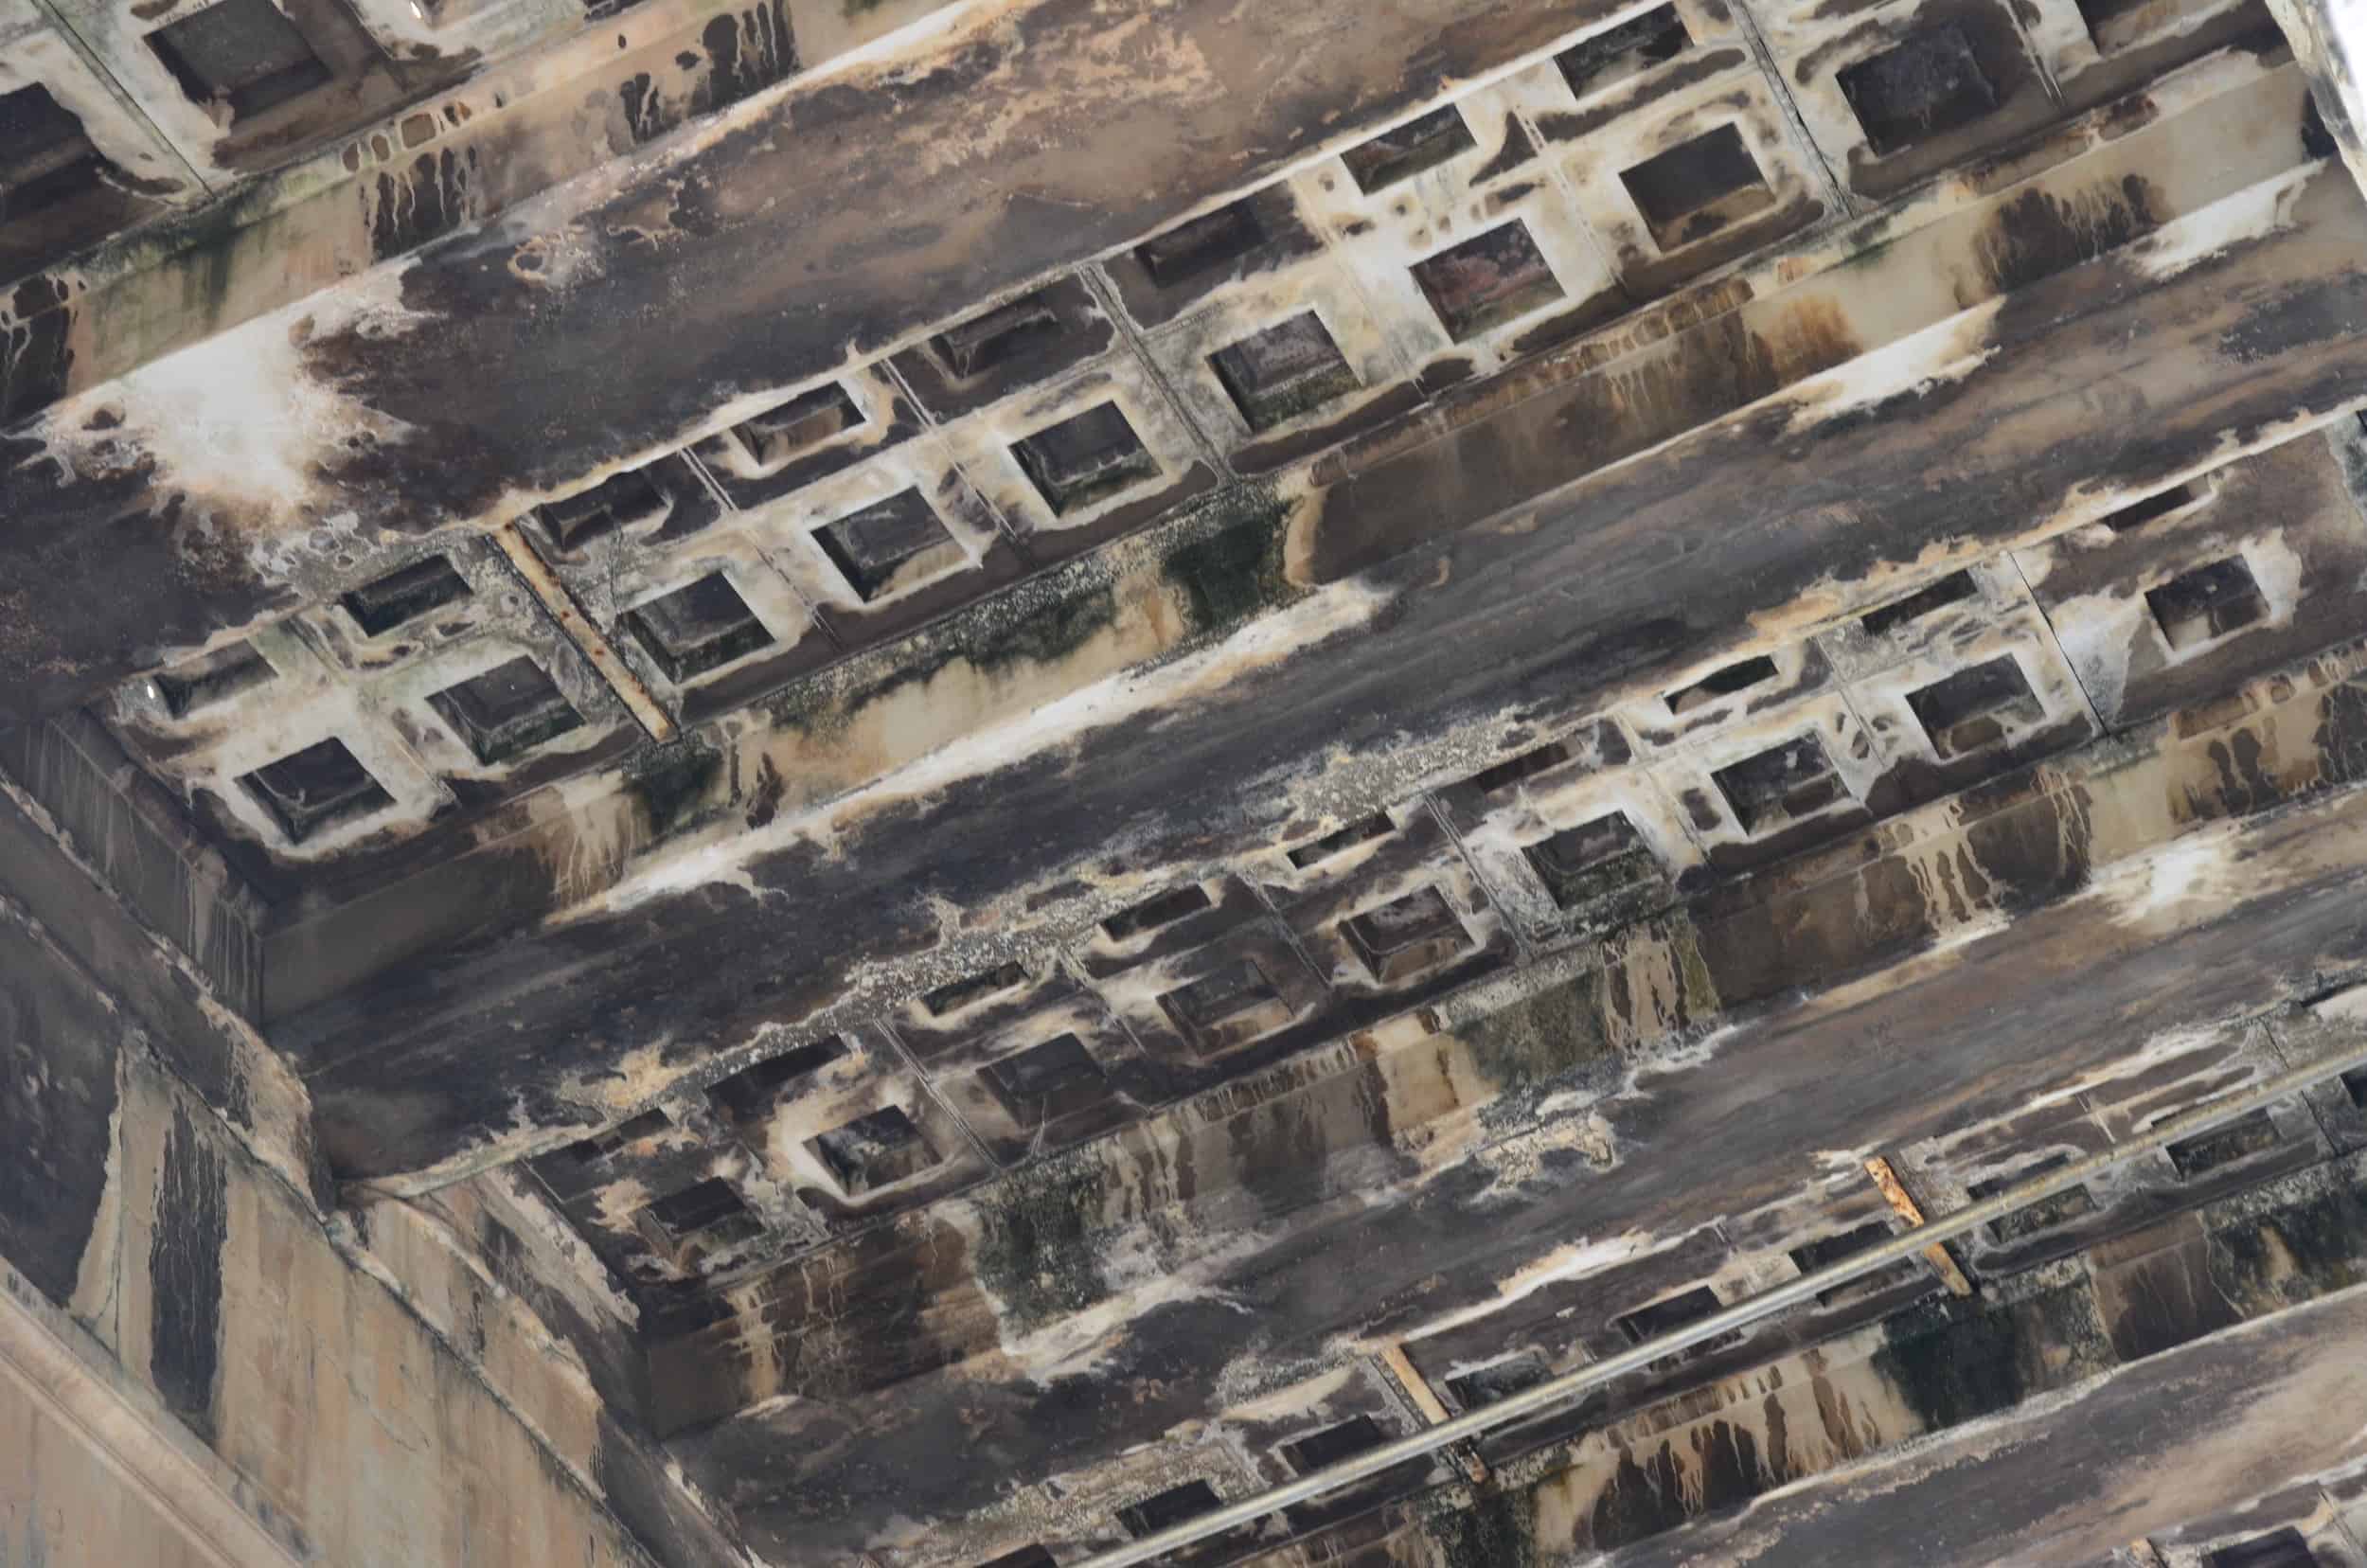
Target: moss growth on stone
x=1700 y=991
x=2341 y=738
x=1496 y=1529
x=814 y=706
x=990 y=639
x=1036 y=1252
x=1050 y=632
x=1953 y=1360
x=1952 y=1363
x=1223 y=578
x=671 y=780
x=213 y=244
x=2294 y=1255
x=1234 y=573
x=1540 y=1038
x=1280 y=408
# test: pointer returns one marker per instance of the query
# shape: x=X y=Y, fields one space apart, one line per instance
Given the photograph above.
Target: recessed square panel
x=2207 y=603
x=1584 y=864
x=1231 y=1005
x=953 y=998
x=1151 y=913
x=2047 y=1213
x=2160 y=504
x=1047 y=1082
x=1617 y=53
x=1781 y=784
x=710 y=1211
x=1498 y=1379
x=1674 y=1314
x=2225 y=1145
x=876 y=1150
x=1034 y=342
x=767 y=442
x=1333 y=1444
x=1027 y=1557
x=2285 y=1548
x=601 y=1147
x=1210 y=241
x=244 y=53
x=1826 y=1250
x=214 y=678
x=1408 y=150
x=2096 y=13
x=1404 y=937
x=318 y=787
x=1331 y=845
x=697 y=629
x=1172 y=1506
x=1923 y=85
x=633 y=499
x=1720 y=683
x=890 y=544
x=1086 y=459
x=508 y=711
x=756 y=1089
x=1697 y=188
x=34 y=127
x=1955 y=588
x=982 y=342
x=1973 y=707
x=44 y=157
x=404 y=595
x=1289 y=369
x=1488 y=281
x=1528 y=765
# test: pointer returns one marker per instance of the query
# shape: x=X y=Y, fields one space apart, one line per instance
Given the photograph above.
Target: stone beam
x=1834 y=930
x=2222 y=1426
x=2127 y=371
x=1715 y=1473
x=1706 y=351
x=477 y=133
x=484 y=372
x=1651 y=1137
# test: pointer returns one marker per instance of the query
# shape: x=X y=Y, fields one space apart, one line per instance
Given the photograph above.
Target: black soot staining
x=2293 y=318
x=645 y=114
x=2038 y=233
x=2316 y=140
x=57 y=1091
x=764 y=800
x=35 y=359
x=746 y=52
x=185 y=1274
x=429 y=201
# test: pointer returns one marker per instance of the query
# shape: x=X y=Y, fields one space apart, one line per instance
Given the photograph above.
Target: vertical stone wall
x=339 y=1388
x=357 y=1433
x=63 y=1503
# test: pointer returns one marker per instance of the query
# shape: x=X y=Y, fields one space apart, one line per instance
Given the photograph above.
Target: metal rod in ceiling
x=1561 y=1390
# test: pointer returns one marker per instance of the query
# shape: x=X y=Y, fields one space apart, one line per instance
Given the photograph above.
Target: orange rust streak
x=580 y=630
x=1433 y=1409
x=1903 y=1203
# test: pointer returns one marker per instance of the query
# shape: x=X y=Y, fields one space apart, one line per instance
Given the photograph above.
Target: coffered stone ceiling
x=1053 y=758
